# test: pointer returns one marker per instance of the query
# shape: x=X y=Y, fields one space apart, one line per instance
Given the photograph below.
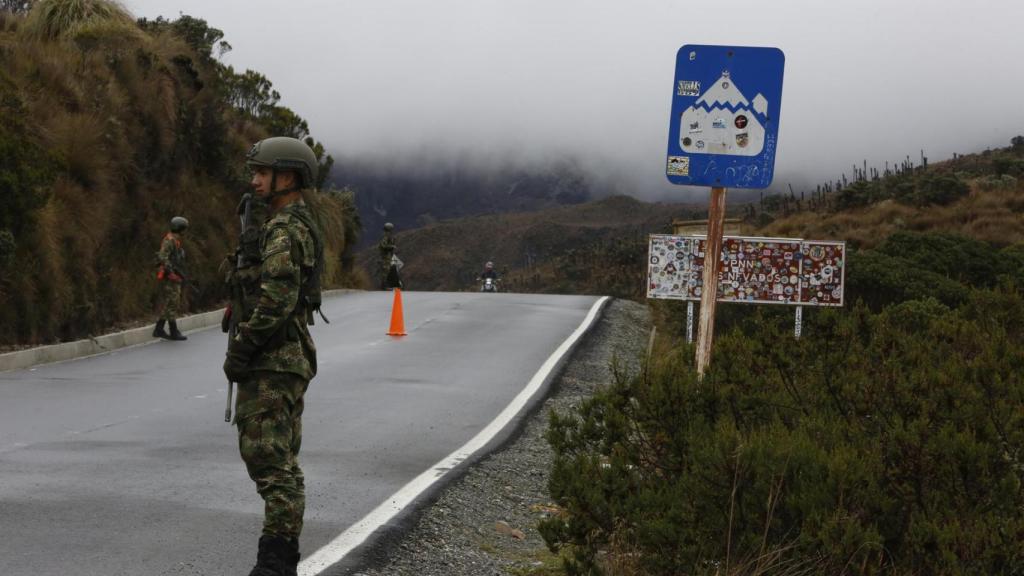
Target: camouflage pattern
x=270 y=400
x=386 y=248
x=274 y=326
x=171 y=261
x=170 y=300
x=171 y=257
x=269 y=418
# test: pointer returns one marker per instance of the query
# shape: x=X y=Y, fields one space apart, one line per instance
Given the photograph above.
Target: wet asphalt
x=122 y=464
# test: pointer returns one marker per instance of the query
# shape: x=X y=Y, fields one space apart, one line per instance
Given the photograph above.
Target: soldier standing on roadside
x=272 y=356
x=171 y=275
x=386 y=248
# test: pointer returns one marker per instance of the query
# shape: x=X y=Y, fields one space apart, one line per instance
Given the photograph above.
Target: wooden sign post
x=712 y=264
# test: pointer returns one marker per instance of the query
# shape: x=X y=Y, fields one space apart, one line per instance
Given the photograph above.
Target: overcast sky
x=405 y=80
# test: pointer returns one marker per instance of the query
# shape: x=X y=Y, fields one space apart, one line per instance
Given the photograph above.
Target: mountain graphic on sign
x=723 y=121
x=723 y=92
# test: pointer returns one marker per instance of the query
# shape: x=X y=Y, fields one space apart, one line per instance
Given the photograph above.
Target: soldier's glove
x=236 y=364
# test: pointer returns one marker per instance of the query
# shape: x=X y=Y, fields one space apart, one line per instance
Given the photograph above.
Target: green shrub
x=940 y=189
x=860 y=193
x=878 y=443
x=879 y=280
x=1012 y=259
x=963 y=259
x=1008 y=166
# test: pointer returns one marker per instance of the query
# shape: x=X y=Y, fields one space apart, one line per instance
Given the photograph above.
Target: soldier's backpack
x=310 y=292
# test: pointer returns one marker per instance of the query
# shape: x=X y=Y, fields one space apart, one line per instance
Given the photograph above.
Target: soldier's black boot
x=273 y=557
x=175 y=334
x=292 y=564
x=158 y=331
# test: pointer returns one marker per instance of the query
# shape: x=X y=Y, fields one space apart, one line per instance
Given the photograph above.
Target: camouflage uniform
x=386 y=247
x=281 y=364
x=171 y=258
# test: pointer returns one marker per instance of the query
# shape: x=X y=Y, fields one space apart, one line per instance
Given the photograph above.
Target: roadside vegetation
x=888 y=439
x=109 y=127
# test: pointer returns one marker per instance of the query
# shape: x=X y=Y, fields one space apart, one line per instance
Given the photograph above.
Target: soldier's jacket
x=171 y=258
x=386 y=246
x=275 y=321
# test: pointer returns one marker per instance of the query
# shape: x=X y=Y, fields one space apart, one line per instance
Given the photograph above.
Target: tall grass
x=52 y=19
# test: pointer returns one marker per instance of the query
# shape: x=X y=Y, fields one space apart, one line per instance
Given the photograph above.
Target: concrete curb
x=108 y=342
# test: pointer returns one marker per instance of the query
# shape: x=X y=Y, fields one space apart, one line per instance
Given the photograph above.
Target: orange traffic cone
x=397 y=321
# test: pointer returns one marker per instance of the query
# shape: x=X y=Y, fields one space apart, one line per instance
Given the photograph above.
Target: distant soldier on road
x=386 y=249
x=271 y=355
x=170 y=275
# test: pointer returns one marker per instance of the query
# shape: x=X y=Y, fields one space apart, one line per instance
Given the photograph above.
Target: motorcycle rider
x=488 y=273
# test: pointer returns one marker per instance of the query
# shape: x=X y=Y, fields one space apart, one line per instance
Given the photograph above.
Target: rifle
x=186 y=280
x=245 y=211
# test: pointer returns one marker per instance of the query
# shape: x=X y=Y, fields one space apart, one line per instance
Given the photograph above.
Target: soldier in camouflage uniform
x=272 y=356
x=171 y=275
x=386 y=248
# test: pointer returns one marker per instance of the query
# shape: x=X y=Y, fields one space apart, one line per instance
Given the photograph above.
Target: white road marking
x=337 y=549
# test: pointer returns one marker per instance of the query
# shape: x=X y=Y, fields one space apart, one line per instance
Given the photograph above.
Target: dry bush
x=989 y=213
x=52 y=19
x=80 y=142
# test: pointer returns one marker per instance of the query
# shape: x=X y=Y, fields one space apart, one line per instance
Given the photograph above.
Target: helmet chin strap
x=274 y=192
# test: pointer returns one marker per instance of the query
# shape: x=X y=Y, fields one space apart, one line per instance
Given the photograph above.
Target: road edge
x=395 y=514
x=52 y=353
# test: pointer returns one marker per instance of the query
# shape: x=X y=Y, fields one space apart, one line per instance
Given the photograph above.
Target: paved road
x=121 y=464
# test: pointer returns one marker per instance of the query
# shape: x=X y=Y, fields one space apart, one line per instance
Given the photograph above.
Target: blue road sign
x=724 y=127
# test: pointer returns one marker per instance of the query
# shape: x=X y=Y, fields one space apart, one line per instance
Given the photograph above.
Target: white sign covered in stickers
x=724 y=121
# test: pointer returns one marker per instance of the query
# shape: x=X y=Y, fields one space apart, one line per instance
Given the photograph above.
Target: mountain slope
x=587 y=248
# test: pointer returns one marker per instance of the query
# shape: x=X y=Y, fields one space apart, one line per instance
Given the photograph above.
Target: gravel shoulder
x=485 y=522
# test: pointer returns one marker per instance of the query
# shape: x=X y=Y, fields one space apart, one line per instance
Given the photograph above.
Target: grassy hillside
x=108 y=128
x=978 y=196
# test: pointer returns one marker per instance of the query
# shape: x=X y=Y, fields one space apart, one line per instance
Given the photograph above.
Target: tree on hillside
x=195 y=31
x=250 y=92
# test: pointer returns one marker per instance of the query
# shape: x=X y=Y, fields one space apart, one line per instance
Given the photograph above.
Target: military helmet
x=179 y=224
x=388 y=226
x=284 y=153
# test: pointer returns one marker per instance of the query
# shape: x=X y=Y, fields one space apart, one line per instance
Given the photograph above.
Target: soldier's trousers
x=170 y=299
x=269 y=419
